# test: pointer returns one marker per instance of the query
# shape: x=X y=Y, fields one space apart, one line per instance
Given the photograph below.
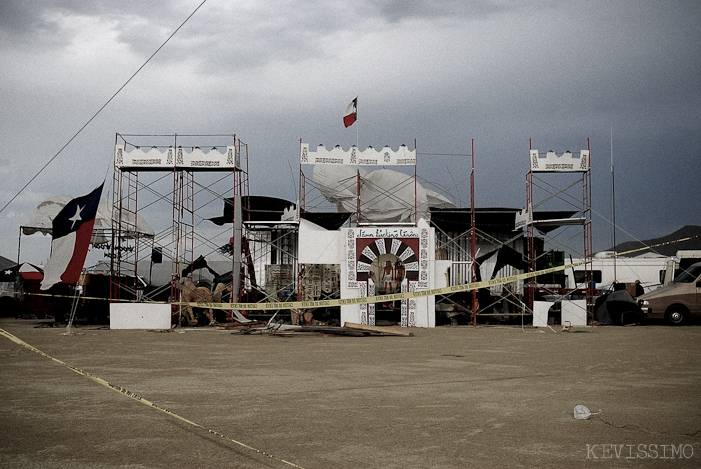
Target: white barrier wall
x=139 y=316
x=572 y=313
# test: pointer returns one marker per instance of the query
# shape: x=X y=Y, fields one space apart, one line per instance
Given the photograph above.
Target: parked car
x=678 y=301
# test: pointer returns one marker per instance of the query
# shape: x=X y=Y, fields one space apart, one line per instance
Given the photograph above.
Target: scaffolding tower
x=178 y=182
x=557 y=219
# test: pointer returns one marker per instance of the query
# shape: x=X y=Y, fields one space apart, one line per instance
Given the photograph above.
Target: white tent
x=385 y=195
x=40 y=221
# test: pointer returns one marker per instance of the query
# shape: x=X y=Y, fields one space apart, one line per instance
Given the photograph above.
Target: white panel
x=139 y=316
x=540 y=313
x=441 y=273
x=319 y=246
x=574 y=313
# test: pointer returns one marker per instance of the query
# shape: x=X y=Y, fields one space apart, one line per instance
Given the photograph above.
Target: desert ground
x=449 y=397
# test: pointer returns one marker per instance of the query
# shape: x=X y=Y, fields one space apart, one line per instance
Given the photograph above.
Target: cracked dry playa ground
x=449 y=397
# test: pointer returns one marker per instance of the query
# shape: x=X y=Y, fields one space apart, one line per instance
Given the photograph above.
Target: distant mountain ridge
x=667 y=249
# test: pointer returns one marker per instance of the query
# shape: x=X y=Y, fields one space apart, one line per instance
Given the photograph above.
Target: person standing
x=388 y=277
x=639 y=290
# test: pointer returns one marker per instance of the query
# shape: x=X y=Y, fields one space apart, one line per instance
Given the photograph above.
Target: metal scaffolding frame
x=461 y=248
x=179 y=184
x=355 y=158
x=563 y=179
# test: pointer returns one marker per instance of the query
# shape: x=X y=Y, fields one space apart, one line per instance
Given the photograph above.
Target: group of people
x=392 y=276
x=639 y=290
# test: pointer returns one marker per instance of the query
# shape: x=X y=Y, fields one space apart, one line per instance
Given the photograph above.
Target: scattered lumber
x=350 y=329
x=239 y=326
x=383 y=330
x=322 y=330
x=358 y=330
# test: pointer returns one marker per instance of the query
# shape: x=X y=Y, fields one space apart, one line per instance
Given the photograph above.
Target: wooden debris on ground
x=287 y=330
x=241 y=326
x=349 y=329
x=384 y=330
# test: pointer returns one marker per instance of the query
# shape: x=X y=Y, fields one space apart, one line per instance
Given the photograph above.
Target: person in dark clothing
x=639 y=290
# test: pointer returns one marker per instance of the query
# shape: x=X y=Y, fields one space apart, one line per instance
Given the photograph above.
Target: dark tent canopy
x=616 y=307
x=269 y=209
x=505 y=256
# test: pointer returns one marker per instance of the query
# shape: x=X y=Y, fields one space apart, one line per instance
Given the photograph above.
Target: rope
x=138 y=398
x=100 y=110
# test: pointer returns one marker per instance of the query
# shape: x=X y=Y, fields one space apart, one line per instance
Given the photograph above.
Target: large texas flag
x=71 y=230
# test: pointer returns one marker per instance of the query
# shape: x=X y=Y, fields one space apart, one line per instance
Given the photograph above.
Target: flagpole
x=613 y=205
x=350 y=117
x=357 y=126
x=77 y=291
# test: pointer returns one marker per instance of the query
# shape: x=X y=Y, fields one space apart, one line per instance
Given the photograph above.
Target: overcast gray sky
x=440 y=71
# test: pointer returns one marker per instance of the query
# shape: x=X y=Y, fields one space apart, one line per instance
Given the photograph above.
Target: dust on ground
x=449 y=397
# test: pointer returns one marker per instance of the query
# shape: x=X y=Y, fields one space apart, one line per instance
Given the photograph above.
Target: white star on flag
x=76 y=217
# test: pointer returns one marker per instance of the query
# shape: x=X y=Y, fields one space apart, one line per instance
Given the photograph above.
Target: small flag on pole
x=71 y=231
x=351 y=114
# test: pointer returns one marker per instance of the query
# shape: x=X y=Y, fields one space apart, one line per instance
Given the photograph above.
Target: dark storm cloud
x=19 y=23
x=398 y=10
x=440 y=72
x=39 y=22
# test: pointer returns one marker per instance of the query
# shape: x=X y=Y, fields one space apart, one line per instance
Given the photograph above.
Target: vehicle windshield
x=689 y=275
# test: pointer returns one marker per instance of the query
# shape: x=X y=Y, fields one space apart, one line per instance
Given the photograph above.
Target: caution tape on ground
x=138 y=398
x=266 y=306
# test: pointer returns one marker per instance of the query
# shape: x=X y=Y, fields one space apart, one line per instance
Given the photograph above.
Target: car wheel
x=676 y=316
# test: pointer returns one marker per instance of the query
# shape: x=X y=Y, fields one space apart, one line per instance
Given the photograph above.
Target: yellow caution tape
x=382 y=298
x=407 y=295
x=137 y=398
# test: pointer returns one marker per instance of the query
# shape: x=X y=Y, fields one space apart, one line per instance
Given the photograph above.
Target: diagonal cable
x=100 y=110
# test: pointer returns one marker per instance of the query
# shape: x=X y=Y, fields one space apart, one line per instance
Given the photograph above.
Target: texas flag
x=351 y=114
x=71 y=231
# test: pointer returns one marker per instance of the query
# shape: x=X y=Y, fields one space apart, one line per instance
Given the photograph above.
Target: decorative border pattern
x=353 y=156
x=564 y=163
x=186 y=159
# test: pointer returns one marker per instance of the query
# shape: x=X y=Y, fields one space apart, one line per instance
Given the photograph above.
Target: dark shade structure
x=493 y=219
x=266 y=209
